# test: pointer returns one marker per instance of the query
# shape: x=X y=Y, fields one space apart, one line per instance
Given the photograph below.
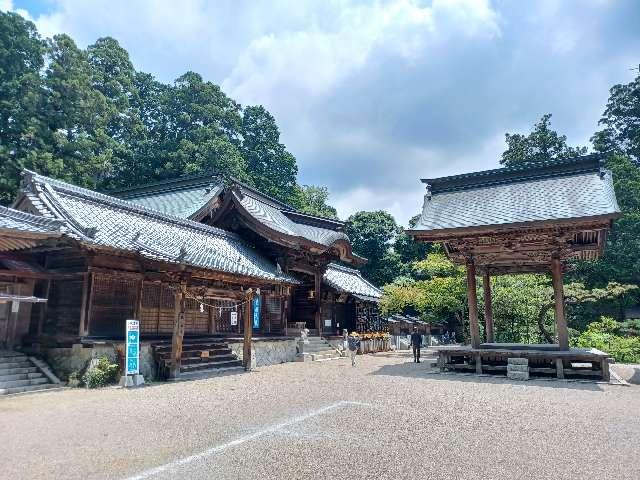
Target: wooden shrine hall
x=534 y=219
x=75 y=264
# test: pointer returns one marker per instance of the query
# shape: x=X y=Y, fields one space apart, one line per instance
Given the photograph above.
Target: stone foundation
x=65 y=361
x=268 y=352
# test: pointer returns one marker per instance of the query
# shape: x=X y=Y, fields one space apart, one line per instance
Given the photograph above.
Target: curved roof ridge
x=168 y=184
x=31 y=218
x=532 y=171
x=98 y=197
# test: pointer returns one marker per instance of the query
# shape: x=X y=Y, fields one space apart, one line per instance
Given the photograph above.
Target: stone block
x=518 y=368
x=517 y=376
x=518 y=361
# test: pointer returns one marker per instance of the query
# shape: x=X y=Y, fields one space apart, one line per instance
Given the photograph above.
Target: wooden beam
x=318 y=288
x=472 y=297
x=488 y=310
x=178 y=332
x=248 y=331
x=558 y=294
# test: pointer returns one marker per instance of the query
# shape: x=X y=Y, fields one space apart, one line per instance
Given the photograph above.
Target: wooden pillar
x=472 y=297
x=488 y=310
x=318 y=288
x=43 y=308
x=211 y=326
x=248 y=331
x=82 y=330
x=178 y=332
x=558 y=294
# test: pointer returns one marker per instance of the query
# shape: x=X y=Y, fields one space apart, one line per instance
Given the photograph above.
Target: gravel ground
x=386 y=418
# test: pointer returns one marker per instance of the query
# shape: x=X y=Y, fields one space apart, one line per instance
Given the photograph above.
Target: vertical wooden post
x=211 y=324
x=318 y=287
x=83 y=305
x=472 y=297
x=488 y=310
x=178 y=332
x=248 y=331
x=43 y=308
x=558 y=294
x=138 y=312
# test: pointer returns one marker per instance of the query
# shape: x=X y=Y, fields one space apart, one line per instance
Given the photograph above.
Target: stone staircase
x=201 y=357
x=19 y=373
x=316 y=350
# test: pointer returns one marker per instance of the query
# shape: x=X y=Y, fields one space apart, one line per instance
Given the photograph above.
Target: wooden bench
x=542 y=361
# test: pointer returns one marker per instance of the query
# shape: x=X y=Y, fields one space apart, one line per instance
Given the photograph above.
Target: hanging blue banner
x=256 y=311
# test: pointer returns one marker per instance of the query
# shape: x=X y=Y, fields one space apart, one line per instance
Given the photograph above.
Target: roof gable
x=99 y=220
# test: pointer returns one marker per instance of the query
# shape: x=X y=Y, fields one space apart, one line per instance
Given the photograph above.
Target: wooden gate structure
x=532 y=219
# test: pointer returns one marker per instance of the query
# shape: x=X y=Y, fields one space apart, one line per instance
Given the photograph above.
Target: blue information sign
x=133 y=347
x=256 y=311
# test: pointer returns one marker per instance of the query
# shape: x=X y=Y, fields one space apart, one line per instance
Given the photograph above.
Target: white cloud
x=372 y=96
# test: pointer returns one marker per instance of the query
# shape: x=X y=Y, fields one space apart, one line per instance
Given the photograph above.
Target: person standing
x=354 y=345
x=416 y=343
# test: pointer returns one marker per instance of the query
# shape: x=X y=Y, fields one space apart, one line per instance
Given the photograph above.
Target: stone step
x=14 y=371
x=13 y=359
x=316 y=348
x=10 y=353
x=20 y=376
x=196 y=353
x=209 y=365
x=23 y=383
x=29 y=388
x=323 y=356
x=215 y=372
x=192 y=346
x=25 y=364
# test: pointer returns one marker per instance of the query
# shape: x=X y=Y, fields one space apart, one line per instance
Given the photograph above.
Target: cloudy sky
x=373 y=96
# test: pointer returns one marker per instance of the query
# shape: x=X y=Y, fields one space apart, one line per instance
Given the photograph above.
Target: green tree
x=202 y=130
x=372 y=235
x=113 y=76
x=541 y=145
x=21 y=96
x=312 y=200
x=621 y=121
x=271 y=167
x=77 y=115
x=407 y=248
x=621 y=259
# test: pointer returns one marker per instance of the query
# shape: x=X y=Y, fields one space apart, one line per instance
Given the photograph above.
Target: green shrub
x=605 y=335
x=100 y=373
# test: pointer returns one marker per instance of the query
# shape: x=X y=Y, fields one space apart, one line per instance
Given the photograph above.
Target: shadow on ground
x=424 y=371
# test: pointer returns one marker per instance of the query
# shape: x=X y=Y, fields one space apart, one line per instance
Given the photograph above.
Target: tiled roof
x=282 y=221
x=501 y=197
x=186 y=197
x=183 y=197
x=11 y=219
x=350 y=280
x=100 y=220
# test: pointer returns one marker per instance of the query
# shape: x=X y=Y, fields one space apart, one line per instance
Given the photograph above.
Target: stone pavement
x=386 y=418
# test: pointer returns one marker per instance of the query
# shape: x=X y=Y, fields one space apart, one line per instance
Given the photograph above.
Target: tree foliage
x=621 y=121
x=372 y=235
x=89 y=117
x=314 y=200
x=541 y=145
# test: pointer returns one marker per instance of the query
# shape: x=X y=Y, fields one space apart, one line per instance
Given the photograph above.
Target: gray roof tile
x=570 y=196
x=101 y=220
x=350 y=280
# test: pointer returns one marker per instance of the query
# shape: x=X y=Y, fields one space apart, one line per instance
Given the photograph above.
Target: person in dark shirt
x=416 y=343
x=353 y=342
